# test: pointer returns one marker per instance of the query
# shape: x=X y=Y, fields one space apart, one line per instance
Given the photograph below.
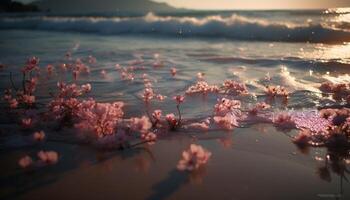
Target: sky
x=253 y=4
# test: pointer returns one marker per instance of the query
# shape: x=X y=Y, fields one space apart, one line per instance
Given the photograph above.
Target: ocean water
x=296 y=49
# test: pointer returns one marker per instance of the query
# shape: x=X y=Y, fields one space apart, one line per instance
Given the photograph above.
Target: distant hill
x=12 y=6
x=94 y=6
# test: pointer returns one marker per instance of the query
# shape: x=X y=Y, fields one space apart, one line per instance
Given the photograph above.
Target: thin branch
x=12 y=83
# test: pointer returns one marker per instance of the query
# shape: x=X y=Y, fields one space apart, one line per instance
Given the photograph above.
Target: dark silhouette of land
x=93 y=6
x=13 y=6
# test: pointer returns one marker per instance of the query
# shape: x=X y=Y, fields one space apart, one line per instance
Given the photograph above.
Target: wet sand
x=250 y=163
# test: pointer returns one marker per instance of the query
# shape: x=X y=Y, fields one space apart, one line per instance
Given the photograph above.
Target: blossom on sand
x=283 y=121
x=39 y=136
x=226 y=113
x=303 y=138
x=25 y=161
x=48 y=157
x=193 y=158
x=228 y=122
x=149 y=137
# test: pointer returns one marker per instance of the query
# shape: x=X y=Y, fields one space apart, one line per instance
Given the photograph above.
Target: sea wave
x=235 y=27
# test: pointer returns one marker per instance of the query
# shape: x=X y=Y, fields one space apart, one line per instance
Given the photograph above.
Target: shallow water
x=252 y=162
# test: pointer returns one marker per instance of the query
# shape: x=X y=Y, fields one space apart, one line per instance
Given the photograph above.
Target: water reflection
x=325 y=53
x=335 y=162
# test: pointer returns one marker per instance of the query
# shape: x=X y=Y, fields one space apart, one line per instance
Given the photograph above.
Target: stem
x=149 y=116
x=178 y=111
x=23 y=82
x=142 y=142
x=12 y=83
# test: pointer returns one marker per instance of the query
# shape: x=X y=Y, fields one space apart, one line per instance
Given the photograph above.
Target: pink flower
x=202 y=87
x=25 y=161
x=49 y=69
x=49 y=157
x=275 y=91
x=28 y=99
x=179 y=99
x=149 y=136
x=259 y=107
x=157 y=114
x=39 y=136
x=284 y=121
x=141 y=125
x=27 y=123
x=235 y=88
x=173 y=71
x=13 y=103
x=86 y=88
x=32 y=63
x=302 y=139
x=193 y=158
x=91 y=59
x=148 y=94
x=228 y=122
x=99 y=118
x=103 y=73
x=226 y=105
x=200 y=76
x=160 y=97
x=204 y=126
x=170 y=118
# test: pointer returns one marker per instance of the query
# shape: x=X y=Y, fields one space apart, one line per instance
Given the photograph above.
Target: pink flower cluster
x=44 y=158
x=13 y=103
x=225 y=106
x=226 y=112
x=259 y=107
x=202 y=87
x=339 y=90
x=66 y=105
x=79 y=67
x=172 y=121
x=31 y=64
x=283 y=121
x=193 y=158
x=100 y=118
x=235 y=88
x=276 y=91
x=39 y=136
